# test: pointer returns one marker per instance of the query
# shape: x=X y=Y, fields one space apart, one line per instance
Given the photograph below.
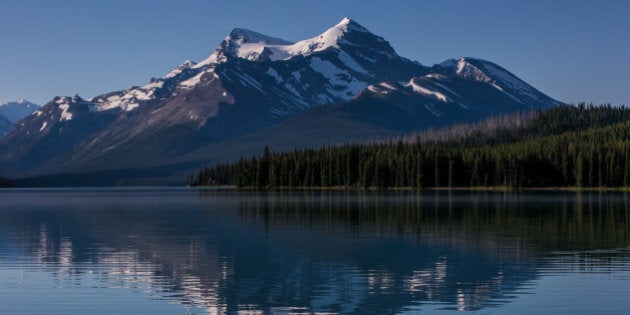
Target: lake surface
x=184 y=251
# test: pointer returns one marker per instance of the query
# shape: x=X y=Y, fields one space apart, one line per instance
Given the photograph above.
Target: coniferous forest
x=566 y=146
x=5 y=182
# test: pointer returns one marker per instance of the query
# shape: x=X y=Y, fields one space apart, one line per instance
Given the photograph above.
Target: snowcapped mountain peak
x=254 y=46
x=68 y=99
x=179 y=69
x=14 y=111
x=345 y=21
x=331 y=38
x=347 y=24
x=247 y=44
x=487 y=72
x=69 y=106
x=186 y=64
x=243 y=36
x=467 y=68
x=344 y=85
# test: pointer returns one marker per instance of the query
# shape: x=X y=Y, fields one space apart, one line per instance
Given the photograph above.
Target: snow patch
x=131 y=106
x=467 y=70
x=128 y=100
x=213 y=59
x=427 y=91
x=274 y=74
x=248 y=80
x=179 y=69
x=65 y=112
x=337 y=78
x=329 y=39
x=447 y=89
x=252 y=45
x=192 y=82
x=382 y=88
x=43 y=126
x=438 y=76
x=351 y=63
x=144 y=93
x=293 y=90
x=296 y=75
x=388 y=86
x=506 y=93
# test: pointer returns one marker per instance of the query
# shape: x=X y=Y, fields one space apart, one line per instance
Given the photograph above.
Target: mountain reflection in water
x=301 y=252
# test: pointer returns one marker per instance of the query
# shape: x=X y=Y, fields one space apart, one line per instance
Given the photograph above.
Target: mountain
x=12 y=112
x=346 y=84
x=15 y=111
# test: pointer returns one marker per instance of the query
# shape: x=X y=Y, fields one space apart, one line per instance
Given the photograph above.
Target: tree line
x=5 y=182
x=567 y=146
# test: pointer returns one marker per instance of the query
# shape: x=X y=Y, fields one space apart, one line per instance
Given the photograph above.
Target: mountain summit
x=250 y=45
x=346 y=84
x=12 y=112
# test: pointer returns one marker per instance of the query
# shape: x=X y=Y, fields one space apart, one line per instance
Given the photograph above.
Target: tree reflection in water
x=314 y=251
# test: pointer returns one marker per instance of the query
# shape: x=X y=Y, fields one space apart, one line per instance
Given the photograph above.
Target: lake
x=186 y=251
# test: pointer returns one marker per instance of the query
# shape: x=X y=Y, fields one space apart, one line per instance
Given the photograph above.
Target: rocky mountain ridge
x=265 y=90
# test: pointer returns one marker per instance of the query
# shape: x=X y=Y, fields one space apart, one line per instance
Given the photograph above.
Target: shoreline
x=479 y=188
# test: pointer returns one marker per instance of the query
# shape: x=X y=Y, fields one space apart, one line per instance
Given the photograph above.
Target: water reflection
x=339 y=252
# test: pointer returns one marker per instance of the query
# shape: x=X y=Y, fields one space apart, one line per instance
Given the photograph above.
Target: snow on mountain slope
x=62 y=109
x=252 y=82
x=157 y=90
x=487 y=72
x=427 y=91
x=334 y=37
x=290 y=77
x=254 y=46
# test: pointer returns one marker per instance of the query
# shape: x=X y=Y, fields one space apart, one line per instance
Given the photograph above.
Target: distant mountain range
x=346 y=84
x=12 y=112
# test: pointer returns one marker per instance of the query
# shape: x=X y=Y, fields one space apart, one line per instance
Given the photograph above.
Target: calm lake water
x=183 y=251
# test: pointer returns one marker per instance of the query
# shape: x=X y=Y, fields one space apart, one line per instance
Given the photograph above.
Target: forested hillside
x=567 y=146
x=5 y=182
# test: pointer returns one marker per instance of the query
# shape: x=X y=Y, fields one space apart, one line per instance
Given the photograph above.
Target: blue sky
x=572 y=50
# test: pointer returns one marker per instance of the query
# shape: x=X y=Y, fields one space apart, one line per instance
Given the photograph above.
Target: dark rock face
x=5 y=126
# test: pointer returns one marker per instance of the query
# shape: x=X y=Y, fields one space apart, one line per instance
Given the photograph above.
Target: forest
x=566 y=146
x=5 y=182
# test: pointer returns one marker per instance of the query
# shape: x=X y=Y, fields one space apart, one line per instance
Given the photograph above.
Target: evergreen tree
x=566 y=146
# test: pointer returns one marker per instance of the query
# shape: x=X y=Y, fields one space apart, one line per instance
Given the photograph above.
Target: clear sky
x=572 y=50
